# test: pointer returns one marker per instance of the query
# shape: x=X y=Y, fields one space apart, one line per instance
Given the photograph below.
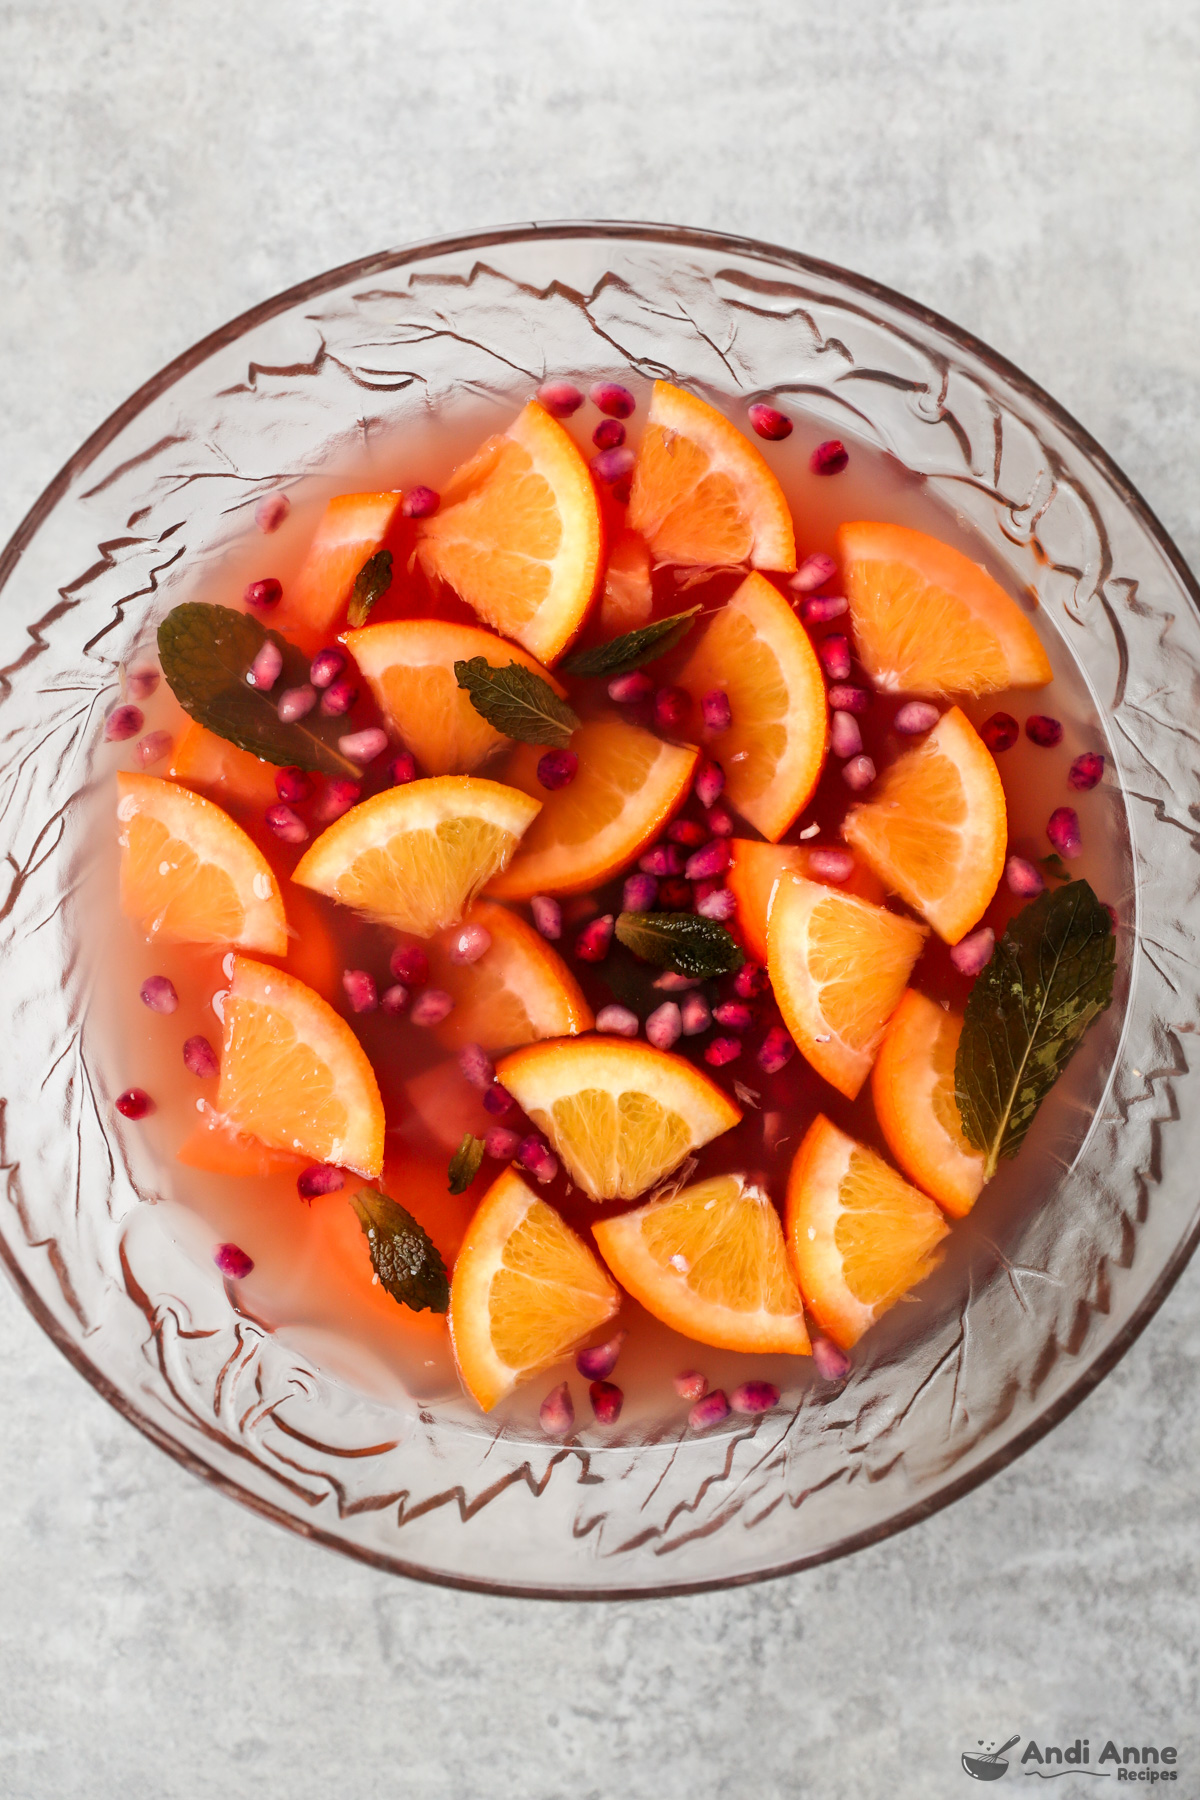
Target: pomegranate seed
x=535 y=1156
x=498 y=1101
x=709 y=1411
x=153 y=747
x=592 y=943
x=831 y=1360
x=326 y=666
x=469 y=943
x=735 y=1015
x=627 y=689
x=675 y=895
x=769 y=422
x=598 y=1361
x=410 y=964
x=715 y=707
x=664 y=1027
x=834 y=652
x=420 y=503
x=293 y=786
x=916 y=716
x=662 y=859
x=672 y=982
x=431 y=1007
x=337 y=797
x=639 y=893
x=823 y=607
x=858 y=773
x=1000 y=732
x=318 y=1179
x=271 y=511
x=477 y=1066
x=232 y=1261
x=1086 y=771
x=1112 y=914
x=813 y=573
x=364 y=746
x=1023 y=877
x=287 y=825
x=775 y=1051
x=709 y=783
x=617 y=1019
x=123 y=722
x=830 y=865
x=561 y=398
x=849 y=699
x=607 y=1401
x=720 y=905
x=141 y=683
x=200 y=1059
x=360 y=990
x=754 y=1397
x=1043 y=731
x=557 y=769
x=719 y=821
x=750 y=981
x=394 y=999
x=712 y=859
x=612 y=398
x=296 y=703
x=158 y=993
x=687 y=832
x=690 y=1384
x=611 y=465
x=671 y=708
x=134 y=1103
x=845 y=739
x=556 y=1414
x=338 y=698
x=264 y=594
x=829 y=458
x=547 y=915
x=1062 y=828
x=974 y=952
x=723 y=1050
x=695 y=1015
x=402 y=769
x=266 y=668
x=609 y=435
x=500 y=1143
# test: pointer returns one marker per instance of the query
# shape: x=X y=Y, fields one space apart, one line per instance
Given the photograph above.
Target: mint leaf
x=684 y=941
x=517 y=702
x=1054 y=866
x=1050 y=975
x=403 y=1254
x=370 y=584
x=630 y=651
x=464 y=1164
x=206 y=652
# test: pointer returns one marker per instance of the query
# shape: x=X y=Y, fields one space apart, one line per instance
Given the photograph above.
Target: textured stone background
x=1027 y=167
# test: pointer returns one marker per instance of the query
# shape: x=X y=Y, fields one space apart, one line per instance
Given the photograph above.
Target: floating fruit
x=220 y=1148
x=912 y=1085
x=755 y=869
x=518 y=991
x=352 y=528
x=628 y=593
x=212 y=766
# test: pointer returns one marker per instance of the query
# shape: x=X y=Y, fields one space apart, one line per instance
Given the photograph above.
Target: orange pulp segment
x=294 y=1075
x=518 y=534
x=928 y=620
x=352 y=528
x=518 y=991
x=711 y=1262
x=936 y=827
x=525 y=1291
x=219 y=1148
x=859 y=1235
x=756 y=649
x=189 y=874
x=213 y=766
x=702 y=493
x=912 y=1085
x=628 y=597
x=838 y=966
x=755 y=870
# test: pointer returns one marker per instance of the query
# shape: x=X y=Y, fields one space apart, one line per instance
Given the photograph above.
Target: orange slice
x=928 y=620
x=702 y=494
x=773 y=753
x=518 y=534
x=213 y=766
x=414 y=857
x=190 y=875
x=628 y=784
x=628 y=592
x=518 y=991
x=754 y=871
x=294 y=1075
x=912 y=1085
x=219 y=1148
x=525 y=1291
x=936 y=827
x=711 y=1262
x=838 y=966
x=621 y=1115
x=860 y=1236
x=352 y=528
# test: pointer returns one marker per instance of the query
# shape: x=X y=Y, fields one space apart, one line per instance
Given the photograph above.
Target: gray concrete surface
x=1028 y=168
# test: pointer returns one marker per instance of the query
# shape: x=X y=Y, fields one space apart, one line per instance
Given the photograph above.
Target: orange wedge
x=219 y=1148
x=294 y=1075
x=757 y=650
x=518 y=534
x=628 y=784
x=711 y=1262
x=754 y=871
x=525 y=1291
x=352 y=528
x=215 y=767
x=628 y=593
x=189 y=874
x=928 y=620
x=518 y=991
x=859 y=1235
x=409 y=664
x=838 y=966
x=702 y=494
x=912 y=1085
x=414 y=857
x=935 y=828
x=621 y=1115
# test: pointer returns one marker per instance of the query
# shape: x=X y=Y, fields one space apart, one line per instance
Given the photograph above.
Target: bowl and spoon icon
x=987 y=1766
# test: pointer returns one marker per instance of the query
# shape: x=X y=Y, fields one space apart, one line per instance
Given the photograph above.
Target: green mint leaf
x=403 y=1255
x=683 y=941
x=370 y=584
x=1049 y=976
x=621 y=654
x=1054 y=866
x=206 y=653
x=517 y=702
x=464 y=1164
